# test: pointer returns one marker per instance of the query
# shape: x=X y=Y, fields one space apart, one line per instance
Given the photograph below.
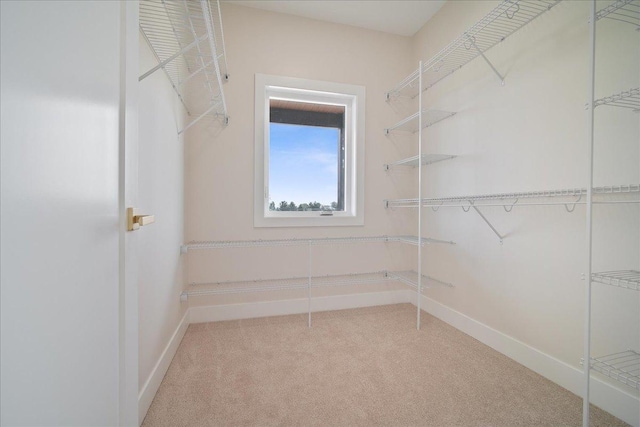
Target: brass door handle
x=135 y=220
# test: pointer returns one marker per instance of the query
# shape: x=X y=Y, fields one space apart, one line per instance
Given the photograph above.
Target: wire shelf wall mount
x=187 y=40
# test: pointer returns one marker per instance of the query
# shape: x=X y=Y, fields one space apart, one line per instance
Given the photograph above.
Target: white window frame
x=352 y=97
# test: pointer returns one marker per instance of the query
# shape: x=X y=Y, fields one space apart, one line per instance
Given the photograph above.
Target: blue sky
x=303 y=164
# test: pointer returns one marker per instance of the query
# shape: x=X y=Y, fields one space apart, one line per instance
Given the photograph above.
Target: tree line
x=291 y=206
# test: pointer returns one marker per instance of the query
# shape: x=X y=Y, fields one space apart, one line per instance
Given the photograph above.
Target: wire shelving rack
x=626 y=11
x=625 y=99
x=628 y=279
x=623 y=367
x=412 y=123
x=187 y=40
x=508 y=200
x=408 y=278
x=504 y=20
x=427 y=159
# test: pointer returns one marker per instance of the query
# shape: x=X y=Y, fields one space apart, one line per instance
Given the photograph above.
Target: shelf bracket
x=196 y=120
x=472 y=42
x=489 y=224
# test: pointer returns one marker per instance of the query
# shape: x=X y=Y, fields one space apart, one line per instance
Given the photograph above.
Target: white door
x=68 y=143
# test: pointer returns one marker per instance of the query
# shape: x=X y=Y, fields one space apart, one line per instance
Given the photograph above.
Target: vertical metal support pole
x=309 y=285
x=419 y=195
x=587 y=313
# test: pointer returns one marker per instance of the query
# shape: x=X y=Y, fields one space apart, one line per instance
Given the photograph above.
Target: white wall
x=161 y=189
x=60 y=85
x=220 y=163
x=530 y=135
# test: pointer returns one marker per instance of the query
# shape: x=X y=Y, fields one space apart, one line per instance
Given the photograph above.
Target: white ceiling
x=391 y=16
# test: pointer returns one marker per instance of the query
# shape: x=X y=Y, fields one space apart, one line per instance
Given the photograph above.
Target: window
x=309 y=153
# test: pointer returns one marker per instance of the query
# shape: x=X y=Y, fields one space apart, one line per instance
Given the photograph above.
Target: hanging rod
x=427 y=159
x=628 y=279
x=408 y=278
x=187 y=40
x=507 y=18
x=511 y=199
x=410 y=124
x=627 y=11
x=625 y=99
x=413 y=240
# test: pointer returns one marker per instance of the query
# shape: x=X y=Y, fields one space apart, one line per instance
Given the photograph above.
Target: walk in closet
x=342 y=212
x=431 y=105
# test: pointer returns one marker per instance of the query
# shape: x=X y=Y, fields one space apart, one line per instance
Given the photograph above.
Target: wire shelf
x=298 y=242
x=187 y=39
x=291 y=283
x=574 y=194
x=625 y=99
x=628 y=279
x=626 y=11
x=410 y=278
x=410 y=124
x=497 y=25
x=623 y=367
x=413 y=240
x=414 y=161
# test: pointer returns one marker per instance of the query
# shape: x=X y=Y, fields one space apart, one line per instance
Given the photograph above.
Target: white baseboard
x=157 y=374
x=295 y=306
x=613 y=400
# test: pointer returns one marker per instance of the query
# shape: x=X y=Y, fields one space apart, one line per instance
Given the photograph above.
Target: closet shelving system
x=568 y=198
x=622 y=366
x=504 y=20
x=309 y=282
x=187 y=40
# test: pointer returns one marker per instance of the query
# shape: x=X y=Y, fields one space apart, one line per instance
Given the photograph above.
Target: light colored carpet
x=360 y=367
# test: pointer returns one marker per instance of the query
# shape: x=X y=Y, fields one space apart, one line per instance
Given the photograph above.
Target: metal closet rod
x=312 y=241
x=408 y=278
x=504 y=20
